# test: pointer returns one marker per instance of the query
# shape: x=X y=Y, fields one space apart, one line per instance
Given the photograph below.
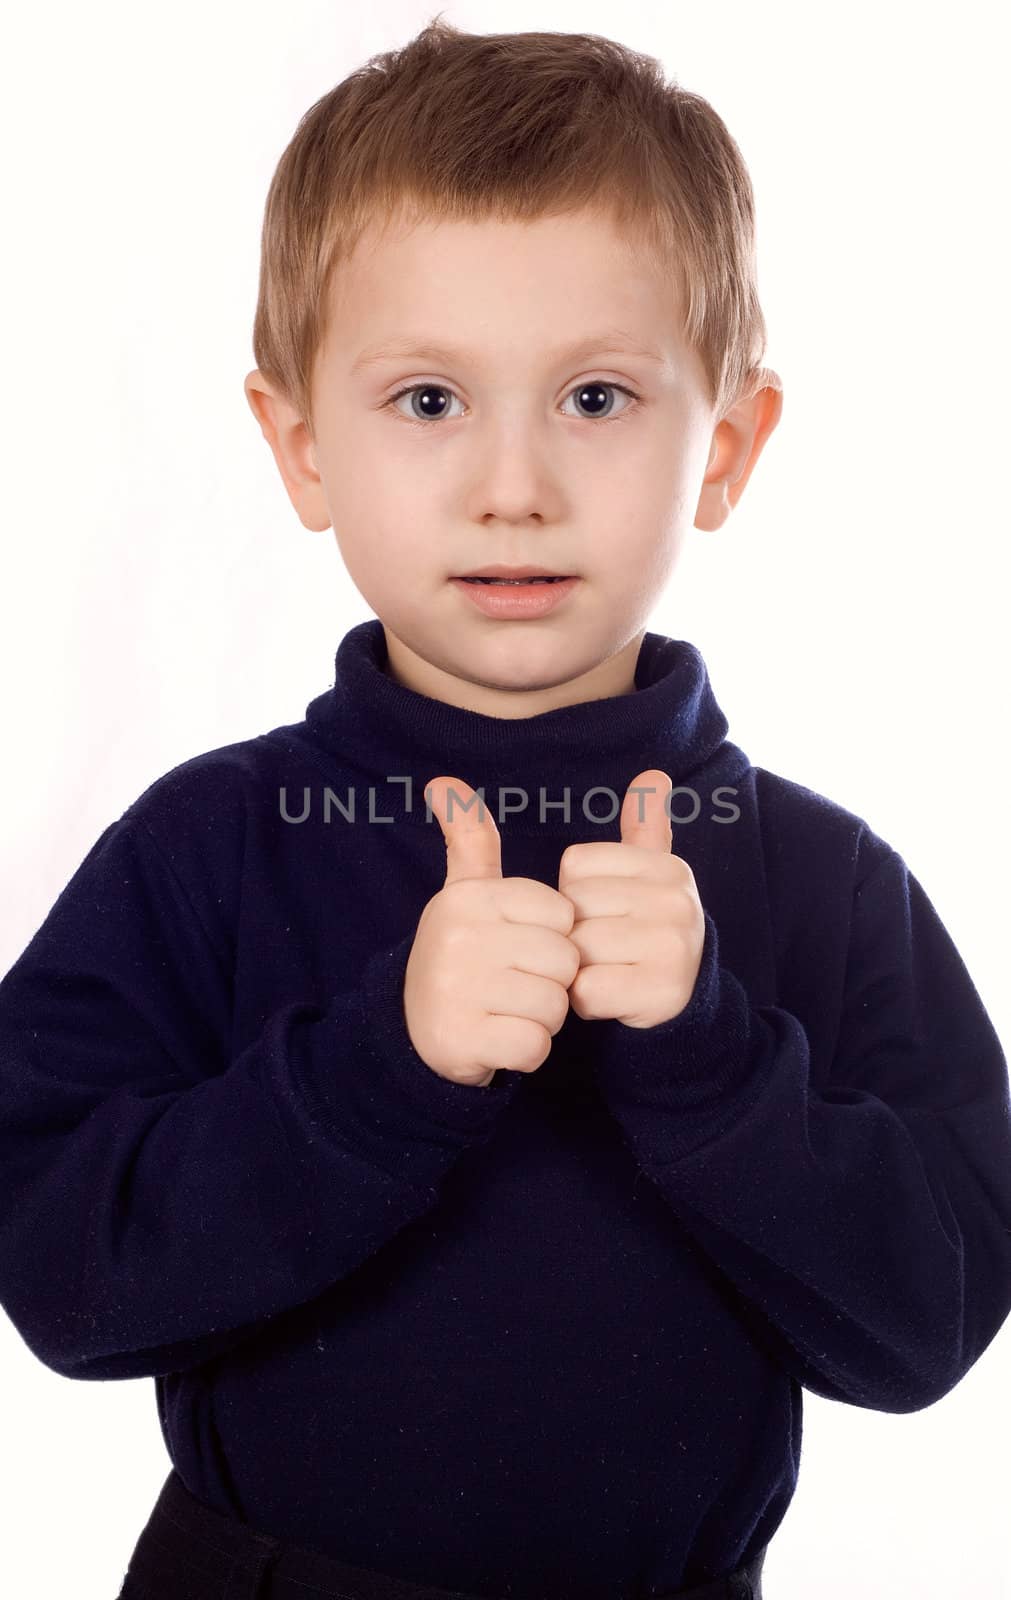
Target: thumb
x=644 y=819
x=473 y=843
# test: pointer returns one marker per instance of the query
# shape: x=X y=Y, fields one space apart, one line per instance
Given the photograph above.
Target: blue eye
x=588 y=393
x=427 y=390
x=591 y=392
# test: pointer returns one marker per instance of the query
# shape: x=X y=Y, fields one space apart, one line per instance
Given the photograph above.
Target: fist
x=639 y=923
x=486 y=983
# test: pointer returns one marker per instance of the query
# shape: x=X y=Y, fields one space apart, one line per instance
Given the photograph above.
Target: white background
x=161 y=597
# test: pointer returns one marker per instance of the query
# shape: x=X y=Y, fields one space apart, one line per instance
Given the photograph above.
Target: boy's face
x=526 y=452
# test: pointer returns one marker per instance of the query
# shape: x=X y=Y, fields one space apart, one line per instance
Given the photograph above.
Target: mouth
x=501 y=573
x=513 y=582
x=516 y=599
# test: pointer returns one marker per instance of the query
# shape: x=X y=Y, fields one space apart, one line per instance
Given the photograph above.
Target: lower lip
x=516 y=600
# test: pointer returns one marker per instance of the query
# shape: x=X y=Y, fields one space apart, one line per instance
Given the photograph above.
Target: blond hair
x=515 y=126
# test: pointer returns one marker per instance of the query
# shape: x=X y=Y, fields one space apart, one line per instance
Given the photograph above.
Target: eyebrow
x=613 y=341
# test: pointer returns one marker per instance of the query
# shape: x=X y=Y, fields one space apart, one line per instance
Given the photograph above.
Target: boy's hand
x=486 y=982
x=639 y=924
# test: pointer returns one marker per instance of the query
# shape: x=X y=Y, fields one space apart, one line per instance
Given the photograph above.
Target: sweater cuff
x=427 y=1117
x=697 y=1064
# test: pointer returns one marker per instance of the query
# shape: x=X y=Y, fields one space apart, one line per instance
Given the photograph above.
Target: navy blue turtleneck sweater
x=396 y=1318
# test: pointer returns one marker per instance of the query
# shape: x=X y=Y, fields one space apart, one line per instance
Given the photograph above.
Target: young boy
x=481 y=1208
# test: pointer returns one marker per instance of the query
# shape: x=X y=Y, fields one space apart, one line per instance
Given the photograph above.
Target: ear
x=293 y=448
x=738 y=441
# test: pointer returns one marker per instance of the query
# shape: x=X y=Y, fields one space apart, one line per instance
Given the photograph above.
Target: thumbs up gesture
x=486 y=983
x=639 y=924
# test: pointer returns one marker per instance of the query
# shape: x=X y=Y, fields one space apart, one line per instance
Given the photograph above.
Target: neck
x=613 y=676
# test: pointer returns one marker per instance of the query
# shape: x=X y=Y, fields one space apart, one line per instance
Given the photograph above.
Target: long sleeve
x=866 y=1222
x=158 y=1200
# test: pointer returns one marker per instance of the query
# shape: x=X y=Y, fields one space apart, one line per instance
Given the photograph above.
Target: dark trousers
x=188 y=1551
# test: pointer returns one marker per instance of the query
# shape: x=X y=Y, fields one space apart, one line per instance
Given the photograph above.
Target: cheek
x=375 y=516
x=648 y=557
x=382 y=556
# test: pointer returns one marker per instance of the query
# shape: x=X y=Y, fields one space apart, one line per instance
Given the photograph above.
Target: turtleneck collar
x=389 y=733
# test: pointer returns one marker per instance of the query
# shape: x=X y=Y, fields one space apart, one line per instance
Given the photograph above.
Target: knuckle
x=560 y=1009
x=684 y=877
x=537 y=1043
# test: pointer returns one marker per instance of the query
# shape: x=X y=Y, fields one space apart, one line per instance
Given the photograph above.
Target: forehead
x=560 y=283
